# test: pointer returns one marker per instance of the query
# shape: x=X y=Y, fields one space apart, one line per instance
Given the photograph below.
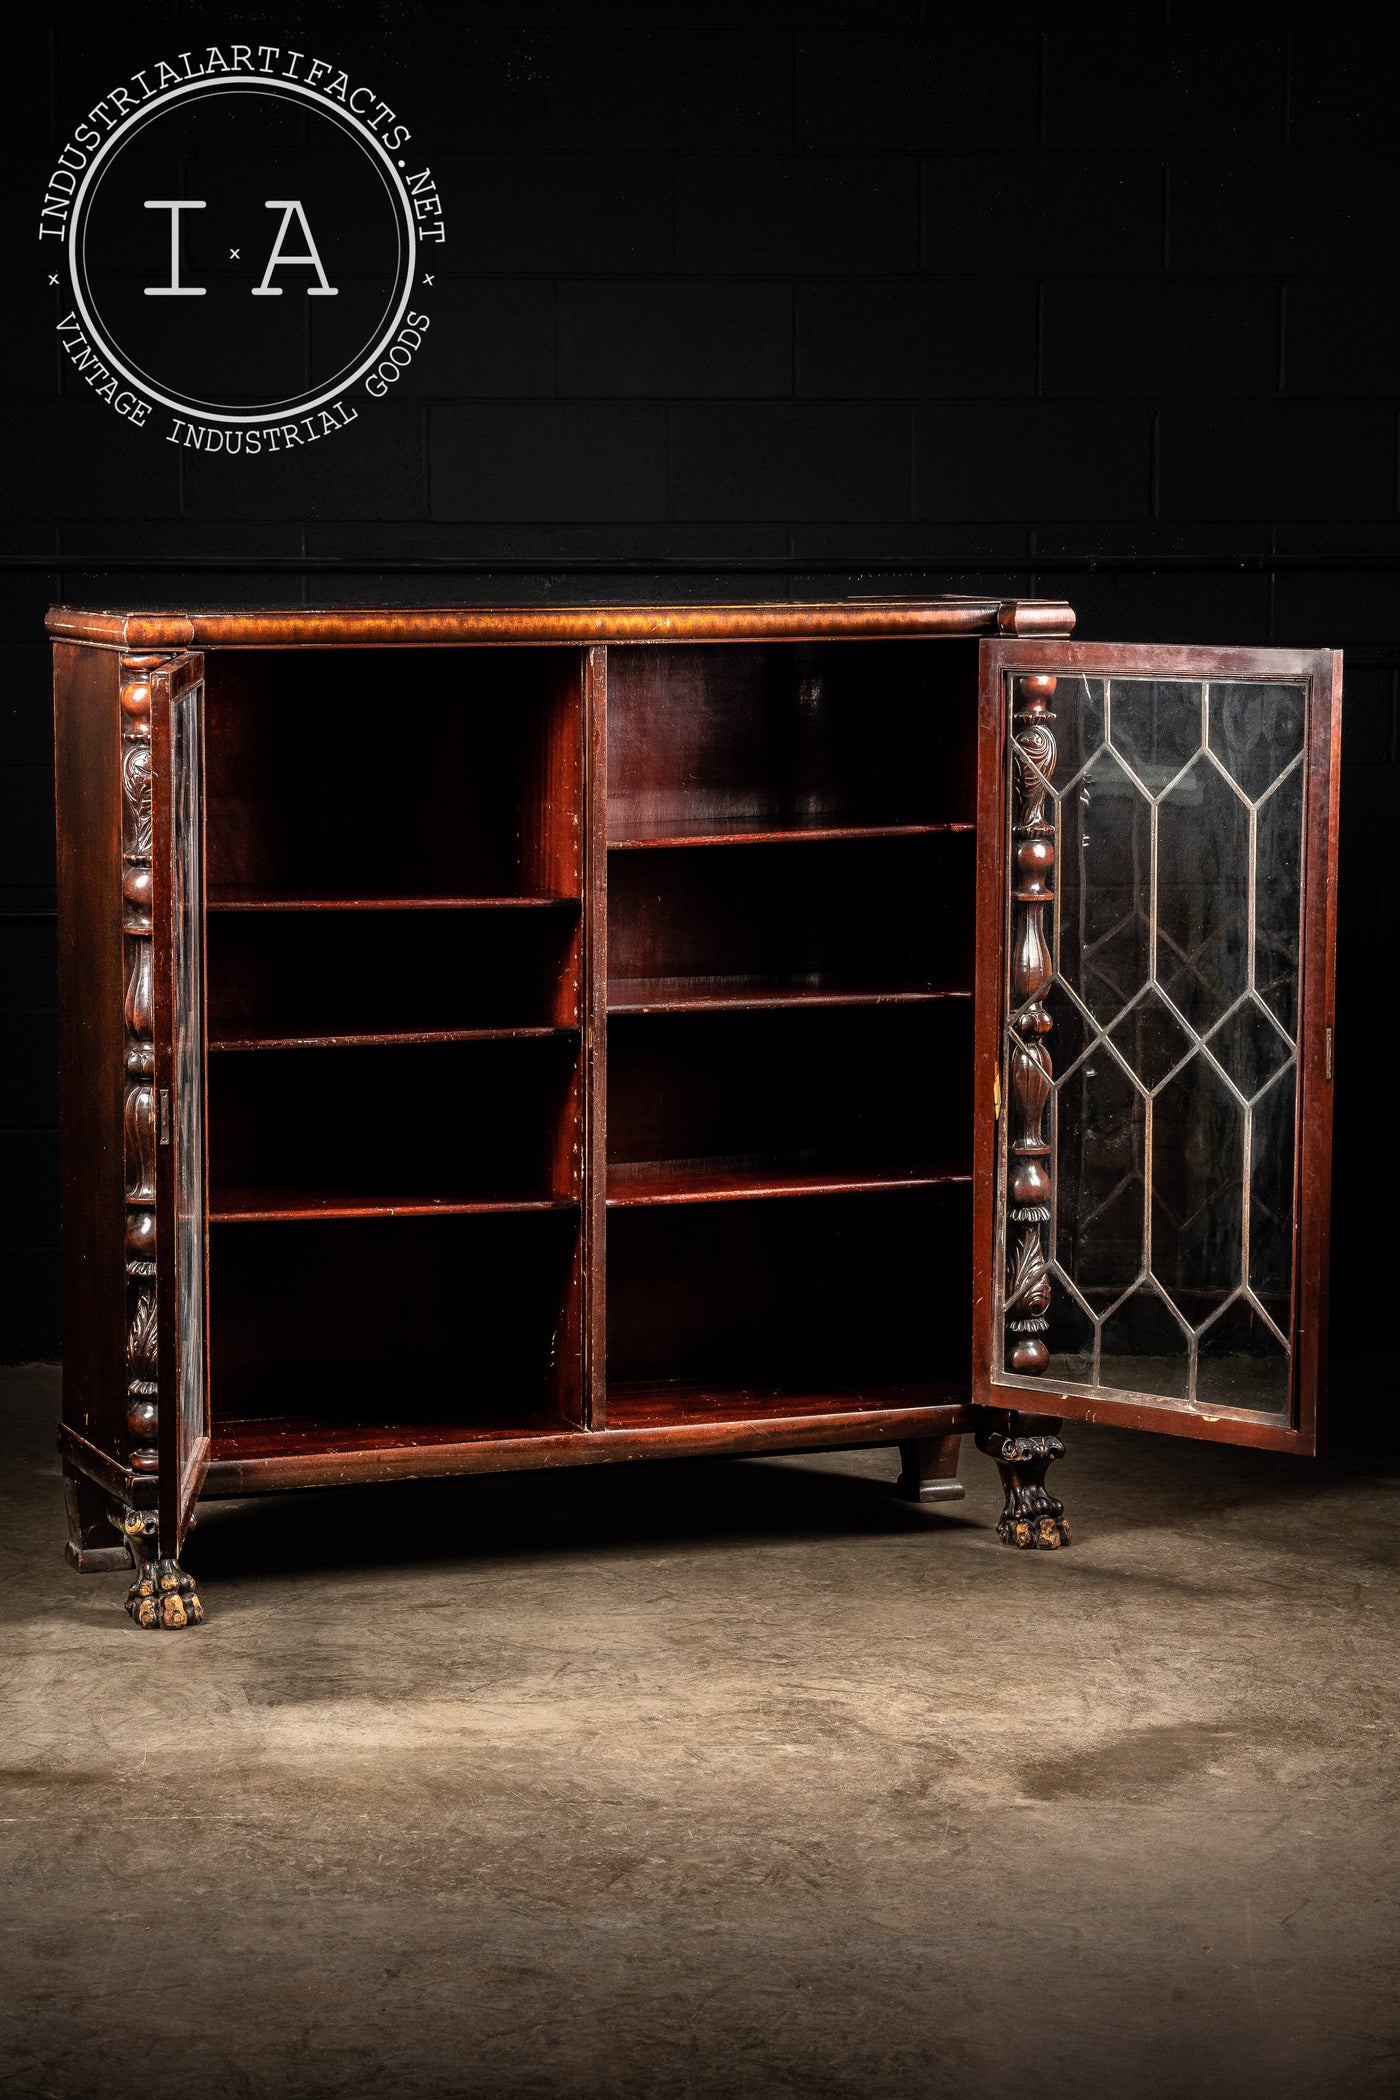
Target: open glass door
x=182 y=1232
x=1156 y=915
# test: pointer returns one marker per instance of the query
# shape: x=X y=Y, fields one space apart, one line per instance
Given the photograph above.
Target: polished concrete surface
x=711 y=1780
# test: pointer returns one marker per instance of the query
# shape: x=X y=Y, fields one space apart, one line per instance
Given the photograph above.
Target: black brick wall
x=784 y=285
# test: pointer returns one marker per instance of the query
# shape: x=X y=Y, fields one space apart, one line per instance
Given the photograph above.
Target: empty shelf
x=633 y=995
x=770 y=831
x=300 y=900
x=720 y=1181
x=252 y=1205
x=354 y=1038
x=671 y=1403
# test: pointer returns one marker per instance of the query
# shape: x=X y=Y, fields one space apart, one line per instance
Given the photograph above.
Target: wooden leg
x=1024 y=1447
x=930 y=1470
x=91 y=1549
x=162 y=1598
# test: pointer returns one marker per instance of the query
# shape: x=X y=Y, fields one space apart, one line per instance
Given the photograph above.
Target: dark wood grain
x=237 y=1204
x=605 y=1009
x=234 y=897
x=257 y=1458
x=595 y=1160
x=690 y=995
x=873 y=915
x=91 y=1049
x=819 y=738
x=489 y=625
x=387 y=1123
x=646 y=1181
x=759 y=832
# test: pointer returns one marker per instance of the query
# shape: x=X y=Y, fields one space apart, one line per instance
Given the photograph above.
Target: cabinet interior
x=554 y=1092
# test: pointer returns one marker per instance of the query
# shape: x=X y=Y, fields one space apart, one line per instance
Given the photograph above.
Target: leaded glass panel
x=1163 y=984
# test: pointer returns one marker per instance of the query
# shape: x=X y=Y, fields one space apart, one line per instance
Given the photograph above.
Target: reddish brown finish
x=367 y=1036
x=768 y=925
x=235 y=899
x=183 y=1447
x=1321 y=670
x=680 y=995
x=595 y=1412
x=253 y=1458
x=906 y=618
x=235 y=1204
x=759 y=833
x=98 y=1467
x=91 y=1043
x=819 y=738
x=929 y=1470
x=460 y=1219
x=633 y=1182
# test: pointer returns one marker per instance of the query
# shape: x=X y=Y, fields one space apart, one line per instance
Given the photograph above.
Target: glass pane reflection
x=1178 y=809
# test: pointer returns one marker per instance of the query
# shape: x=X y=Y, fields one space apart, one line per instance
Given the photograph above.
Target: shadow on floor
x=586 y=1510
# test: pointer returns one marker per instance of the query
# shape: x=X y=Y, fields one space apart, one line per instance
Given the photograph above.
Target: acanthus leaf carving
x=1030 y=1071
x=138 y=1114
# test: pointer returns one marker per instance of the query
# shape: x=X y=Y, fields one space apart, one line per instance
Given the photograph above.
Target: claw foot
x=163 y=1597
x=1047 y=1532
x=1032 y=1518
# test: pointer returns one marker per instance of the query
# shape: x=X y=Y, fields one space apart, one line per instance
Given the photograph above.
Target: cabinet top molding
x=778 y=622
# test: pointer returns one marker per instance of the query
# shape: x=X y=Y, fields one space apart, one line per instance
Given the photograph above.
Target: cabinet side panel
x=87 y=750
x=987 y=1104
x=595 y=1045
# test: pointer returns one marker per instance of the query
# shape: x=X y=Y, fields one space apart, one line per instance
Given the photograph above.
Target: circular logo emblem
x=244 y=246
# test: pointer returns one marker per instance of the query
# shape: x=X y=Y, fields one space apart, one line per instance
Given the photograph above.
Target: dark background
x=1099 y=302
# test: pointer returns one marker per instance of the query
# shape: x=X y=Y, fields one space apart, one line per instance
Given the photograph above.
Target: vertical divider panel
x=595 y=1033
x=553 y=857
x=987 y=1104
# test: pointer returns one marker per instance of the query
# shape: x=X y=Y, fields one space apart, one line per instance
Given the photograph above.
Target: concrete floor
x=713 y=1780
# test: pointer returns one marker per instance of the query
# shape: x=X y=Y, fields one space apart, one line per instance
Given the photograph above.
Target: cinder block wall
x=790 y=284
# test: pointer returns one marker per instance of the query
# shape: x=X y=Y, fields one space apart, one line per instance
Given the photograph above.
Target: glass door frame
x=181 y=1080
x=1001 y=661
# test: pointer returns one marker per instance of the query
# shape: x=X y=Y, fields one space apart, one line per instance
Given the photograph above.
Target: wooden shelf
x=254 y=1454
x=253 y=1205
x=705 y=995
x=636 y=1182
x=771 y=831
x=358 y=1038
x=297 y=900
x=278 y=1436
x=675 y=1403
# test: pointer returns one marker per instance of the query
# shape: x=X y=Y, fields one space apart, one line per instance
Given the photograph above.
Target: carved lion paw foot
x=163 y=1597
x=1028 y=1532
x=1032 y=1517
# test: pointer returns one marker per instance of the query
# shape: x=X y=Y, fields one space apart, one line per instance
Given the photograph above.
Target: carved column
x=1032 y=894
x=139 y=1116
x=162 y=1595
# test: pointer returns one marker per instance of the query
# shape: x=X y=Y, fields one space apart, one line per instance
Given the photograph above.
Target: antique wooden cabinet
x=537 y=1038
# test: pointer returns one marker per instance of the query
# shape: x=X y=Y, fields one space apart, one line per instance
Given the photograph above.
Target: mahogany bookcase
x=500 y=1039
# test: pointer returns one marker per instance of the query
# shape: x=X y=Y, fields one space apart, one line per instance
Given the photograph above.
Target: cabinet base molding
x=90 y=1517
x=1024 y=1448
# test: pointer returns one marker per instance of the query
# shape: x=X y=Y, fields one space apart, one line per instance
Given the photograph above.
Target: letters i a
x=290 y=208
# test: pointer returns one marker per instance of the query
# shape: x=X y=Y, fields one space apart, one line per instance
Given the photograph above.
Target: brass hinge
x=165 y=1115
x=1329 y=1053
x=996 y=1094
